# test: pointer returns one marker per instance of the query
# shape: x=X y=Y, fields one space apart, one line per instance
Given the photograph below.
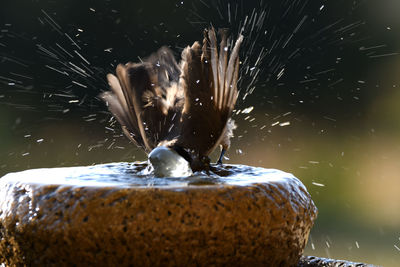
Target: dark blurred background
x=319 y=97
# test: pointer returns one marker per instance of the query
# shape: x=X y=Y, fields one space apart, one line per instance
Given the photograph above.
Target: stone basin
x=118 y=214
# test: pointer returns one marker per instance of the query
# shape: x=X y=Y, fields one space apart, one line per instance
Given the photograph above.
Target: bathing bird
x=179 y=111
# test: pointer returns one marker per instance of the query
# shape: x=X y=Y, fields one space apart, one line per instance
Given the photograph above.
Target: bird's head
x=167 y=162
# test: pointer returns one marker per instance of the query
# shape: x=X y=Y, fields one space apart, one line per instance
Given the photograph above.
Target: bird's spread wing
x=146 y=99
x=209 y=81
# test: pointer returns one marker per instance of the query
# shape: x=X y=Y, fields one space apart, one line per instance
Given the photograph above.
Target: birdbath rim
x=137 y=174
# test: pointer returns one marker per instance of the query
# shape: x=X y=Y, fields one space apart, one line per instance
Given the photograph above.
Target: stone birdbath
x=118 y=214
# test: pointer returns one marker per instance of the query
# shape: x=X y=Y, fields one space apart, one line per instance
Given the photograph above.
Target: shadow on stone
x=311 y=261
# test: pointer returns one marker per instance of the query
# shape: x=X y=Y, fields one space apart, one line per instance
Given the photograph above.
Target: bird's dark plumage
x=186 y=107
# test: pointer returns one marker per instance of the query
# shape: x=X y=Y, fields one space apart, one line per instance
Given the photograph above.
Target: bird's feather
x=145 y=99
x=208 y=101
x=186 y=106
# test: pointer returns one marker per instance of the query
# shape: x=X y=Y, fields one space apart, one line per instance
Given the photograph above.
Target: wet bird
x=179 y=111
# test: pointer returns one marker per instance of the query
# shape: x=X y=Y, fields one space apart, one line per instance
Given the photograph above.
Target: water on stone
x=139 y=174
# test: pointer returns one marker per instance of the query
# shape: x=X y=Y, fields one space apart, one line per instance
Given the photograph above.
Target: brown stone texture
x=112 y=223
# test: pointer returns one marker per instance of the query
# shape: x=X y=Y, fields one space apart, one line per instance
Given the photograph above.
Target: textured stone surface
x=311 y=261
x=103 y=215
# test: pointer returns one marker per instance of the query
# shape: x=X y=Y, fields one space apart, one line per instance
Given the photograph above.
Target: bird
x=181 y=109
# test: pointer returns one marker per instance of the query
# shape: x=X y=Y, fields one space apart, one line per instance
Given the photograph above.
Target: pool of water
x=139 y=174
